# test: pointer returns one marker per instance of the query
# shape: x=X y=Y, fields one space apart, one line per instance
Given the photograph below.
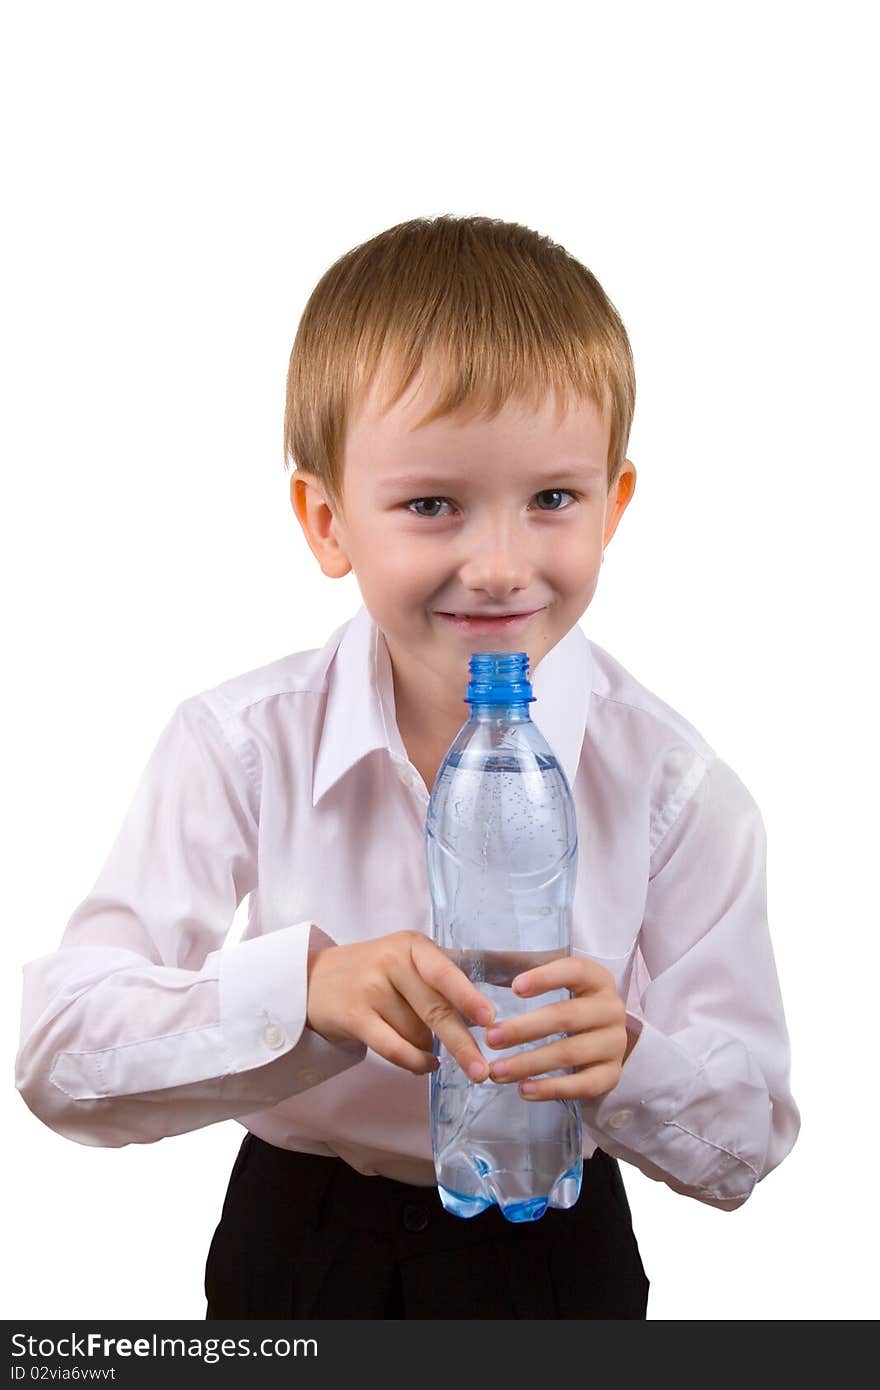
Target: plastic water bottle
x=501 y=845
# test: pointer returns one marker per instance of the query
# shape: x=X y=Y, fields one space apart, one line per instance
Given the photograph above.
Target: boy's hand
x=393 y=994
x=594 y=1018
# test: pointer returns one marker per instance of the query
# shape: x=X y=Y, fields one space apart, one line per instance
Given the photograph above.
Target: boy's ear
x=619 y=499
x=319 y=524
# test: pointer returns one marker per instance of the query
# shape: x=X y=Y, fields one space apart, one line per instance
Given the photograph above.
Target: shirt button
x=619 y=1119
x=309 y=1077
x=273 y=1036
x=415 y=1217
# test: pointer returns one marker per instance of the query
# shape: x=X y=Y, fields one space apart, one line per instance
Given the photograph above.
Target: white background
x=177 y=178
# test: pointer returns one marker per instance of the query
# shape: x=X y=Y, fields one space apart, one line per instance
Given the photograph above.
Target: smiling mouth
x=480 y=622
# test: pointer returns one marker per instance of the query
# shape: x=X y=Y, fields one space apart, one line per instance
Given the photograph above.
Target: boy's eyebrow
x=557 y=475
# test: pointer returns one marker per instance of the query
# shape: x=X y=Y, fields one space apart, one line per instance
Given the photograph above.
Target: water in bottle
x=501 y=845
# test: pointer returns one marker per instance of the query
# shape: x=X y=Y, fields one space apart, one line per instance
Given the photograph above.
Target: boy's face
x=509 y=515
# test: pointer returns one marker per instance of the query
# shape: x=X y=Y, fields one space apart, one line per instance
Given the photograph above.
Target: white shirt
x=291 y=783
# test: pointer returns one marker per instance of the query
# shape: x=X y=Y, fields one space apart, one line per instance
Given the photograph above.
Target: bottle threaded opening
x=499 y=678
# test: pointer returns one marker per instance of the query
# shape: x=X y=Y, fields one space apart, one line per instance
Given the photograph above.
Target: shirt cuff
x=654 y=1082
x=263 y=990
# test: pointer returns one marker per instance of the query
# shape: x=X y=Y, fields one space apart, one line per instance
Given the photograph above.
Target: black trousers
x=302 y=1236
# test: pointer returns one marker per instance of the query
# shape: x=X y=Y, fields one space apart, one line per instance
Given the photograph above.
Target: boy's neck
x=429 y=716
x=426 y=744
x=426 y=732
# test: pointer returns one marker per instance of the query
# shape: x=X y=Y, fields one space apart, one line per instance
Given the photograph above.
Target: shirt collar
x=360 y=714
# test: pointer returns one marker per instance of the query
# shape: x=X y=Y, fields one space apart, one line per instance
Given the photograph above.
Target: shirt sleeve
x=143 y=1024
x=704 y=1101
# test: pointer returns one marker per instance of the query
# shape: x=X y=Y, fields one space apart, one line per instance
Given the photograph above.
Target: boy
x=448 y=378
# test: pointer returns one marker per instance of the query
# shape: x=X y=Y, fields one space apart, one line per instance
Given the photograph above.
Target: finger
x=587 y=1084
x=581 y=1050
x=439 y=970
x=575 y=1015
x=439 y=1011
x=447 y=1024
x=577 y=973
x=387 y=1042
x=399 y=1015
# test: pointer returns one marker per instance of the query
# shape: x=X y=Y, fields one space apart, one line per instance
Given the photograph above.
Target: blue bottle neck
x=513 y=711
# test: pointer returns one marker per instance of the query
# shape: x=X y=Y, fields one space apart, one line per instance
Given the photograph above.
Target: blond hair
x=505 y=312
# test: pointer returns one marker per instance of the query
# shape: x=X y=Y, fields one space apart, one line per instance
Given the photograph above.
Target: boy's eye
x=546 y=492
x=430 y=500
x=556 y=492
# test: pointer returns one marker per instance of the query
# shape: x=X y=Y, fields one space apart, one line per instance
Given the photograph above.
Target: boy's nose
x=498 y=564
